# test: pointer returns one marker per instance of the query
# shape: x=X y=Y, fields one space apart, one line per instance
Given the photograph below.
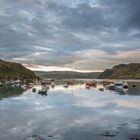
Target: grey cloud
x=67 y=27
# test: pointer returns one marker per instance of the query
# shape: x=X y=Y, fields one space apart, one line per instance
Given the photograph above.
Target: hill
x=67 y=75
x=122 y=71
x=12 y=70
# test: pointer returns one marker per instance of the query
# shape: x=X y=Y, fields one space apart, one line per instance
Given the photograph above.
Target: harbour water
x=73 y=113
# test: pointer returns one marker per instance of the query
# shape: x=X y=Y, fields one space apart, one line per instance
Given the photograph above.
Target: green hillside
x=122 y=71
x=67 y=75
x=11 y=70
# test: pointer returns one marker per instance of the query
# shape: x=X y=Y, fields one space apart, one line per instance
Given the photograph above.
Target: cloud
x=79 y=34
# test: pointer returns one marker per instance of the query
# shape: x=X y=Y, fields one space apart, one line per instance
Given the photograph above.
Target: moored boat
x=91 y=84
x=87 y=86
x=34 y=90
x=111 y=87
x=42 y=92
x=101 y=89
x=24 y=87
x=121 y=87
x=66 y=85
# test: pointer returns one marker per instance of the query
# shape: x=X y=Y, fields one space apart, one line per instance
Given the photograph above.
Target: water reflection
x=70 y=114
x=8 y=91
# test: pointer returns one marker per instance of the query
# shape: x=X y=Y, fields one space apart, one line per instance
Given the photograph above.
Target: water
x=75 y=113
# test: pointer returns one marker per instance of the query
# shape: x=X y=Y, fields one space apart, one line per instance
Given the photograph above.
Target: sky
x=81 y=35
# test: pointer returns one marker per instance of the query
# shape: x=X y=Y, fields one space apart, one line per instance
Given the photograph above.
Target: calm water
x=75 y=113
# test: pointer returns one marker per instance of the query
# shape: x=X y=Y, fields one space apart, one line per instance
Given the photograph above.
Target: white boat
x=31 y=85
x=65 y=85
x=24 y=87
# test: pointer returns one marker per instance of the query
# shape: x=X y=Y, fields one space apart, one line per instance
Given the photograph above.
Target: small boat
x=45 y=82
x=111 y=87
x=106 y=83
x=91 y=84
x=72 y=82
x=34 y=90
x=17 y=83
x=65 y=85
x=119 y=84
x=52 y=86
x=101 y=89
x=87 y=86
x=133 y=86
x=125 y=85
x=24 y=87
x=45 y=87
x=31 y=85
x=42 y=92
x=121 y=87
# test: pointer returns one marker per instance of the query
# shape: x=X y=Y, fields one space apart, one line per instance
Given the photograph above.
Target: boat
x=42 y=92
x=133 y=86
x=31 y=85
x=121 y=87
x=52 y=85
x=24 y=87
x=91 y=84
x=87 y=86
x=106 y=83
x=71 y=82
x=45 y=82
x=101 y=89
x=125 y=85
x=65 y=85
x=17 y=83
x=34 y=90
x=45 y=87
x=111 y=87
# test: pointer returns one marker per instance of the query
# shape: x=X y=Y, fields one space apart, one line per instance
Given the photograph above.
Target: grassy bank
x=8 y=91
